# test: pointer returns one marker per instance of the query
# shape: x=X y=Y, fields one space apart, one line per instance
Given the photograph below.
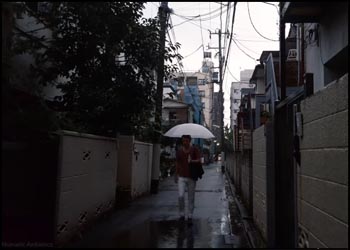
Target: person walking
x=186 y=155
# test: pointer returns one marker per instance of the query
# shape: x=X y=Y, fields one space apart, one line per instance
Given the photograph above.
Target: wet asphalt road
x=152 y=221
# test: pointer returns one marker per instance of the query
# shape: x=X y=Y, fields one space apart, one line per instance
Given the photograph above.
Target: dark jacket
x=196 y=170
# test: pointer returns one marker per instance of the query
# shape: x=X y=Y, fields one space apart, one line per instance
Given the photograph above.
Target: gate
x=282 y=158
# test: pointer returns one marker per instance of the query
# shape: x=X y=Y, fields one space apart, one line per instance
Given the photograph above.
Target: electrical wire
x=182 y=23
x=231 y=34
x=220 y=18
x=210 y=19
x=201 y=16
x=198 y=16
x=200 y=23
x=256 y=29
x=194 y=51
x=243 y=51
x=232 y=75
x=272 y=5
x=190 y=23
x=172 y=30
x=226 y=29
x=245 y=46
x=178 y=62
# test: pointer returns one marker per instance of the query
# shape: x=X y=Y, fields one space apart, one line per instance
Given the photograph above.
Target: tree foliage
x=107 y=55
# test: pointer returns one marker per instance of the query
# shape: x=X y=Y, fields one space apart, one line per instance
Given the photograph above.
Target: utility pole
x=163 y=13
x=221 y=100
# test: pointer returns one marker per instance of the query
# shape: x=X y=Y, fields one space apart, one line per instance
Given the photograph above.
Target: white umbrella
x=192 y=129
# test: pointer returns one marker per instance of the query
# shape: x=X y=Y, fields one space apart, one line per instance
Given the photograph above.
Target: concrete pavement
x=152 y=220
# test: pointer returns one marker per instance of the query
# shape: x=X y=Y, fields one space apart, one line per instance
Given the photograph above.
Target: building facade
x=197 y=88
x=235 y=96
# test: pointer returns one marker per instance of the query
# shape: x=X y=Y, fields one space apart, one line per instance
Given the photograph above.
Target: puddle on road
x=170 y=234
x=156 y=234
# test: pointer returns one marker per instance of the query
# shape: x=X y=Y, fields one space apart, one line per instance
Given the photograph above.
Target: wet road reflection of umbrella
x=192 y=129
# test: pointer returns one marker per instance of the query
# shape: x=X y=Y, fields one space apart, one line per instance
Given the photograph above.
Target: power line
x=229 y=46
x=172 y=30
x=272 y=5
x=201 y=35
x=226 y=28
x=256 y=29
x=210 y=19
x=194 y=51
x=243 y=51
x=232 y=75
x=178 y=62
x=220 y=18
x=245 y=46
x=201 y=16
x=198 y=16
x=248 y=40
x=189 y=22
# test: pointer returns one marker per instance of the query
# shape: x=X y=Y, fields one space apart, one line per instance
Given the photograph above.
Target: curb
x=247 y=220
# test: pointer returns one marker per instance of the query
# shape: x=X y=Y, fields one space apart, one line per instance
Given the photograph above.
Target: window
x=180 y=81
x=191 y=80
x=202 y=82
x=201 y=93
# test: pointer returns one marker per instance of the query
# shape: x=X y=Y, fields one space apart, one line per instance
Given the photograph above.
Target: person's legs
x=181 y=189
x=191 y=193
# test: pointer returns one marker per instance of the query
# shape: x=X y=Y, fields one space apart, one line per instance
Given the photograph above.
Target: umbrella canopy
x=192 y=129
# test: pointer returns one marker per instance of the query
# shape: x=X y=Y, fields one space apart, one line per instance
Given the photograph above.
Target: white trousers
x=184 y=182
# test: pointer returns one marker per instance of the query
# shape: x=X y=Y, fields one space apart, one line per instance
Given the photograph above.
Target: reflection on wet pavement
x=152 y=221
x=170 y=234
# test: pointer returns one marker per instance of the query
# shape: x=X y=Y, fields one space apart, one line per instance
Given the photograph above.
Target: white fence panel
x=142 y=168
x=86 y=181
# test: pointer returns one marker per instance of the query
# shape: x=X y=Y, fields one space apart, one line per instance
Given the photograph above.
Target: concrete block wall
x=134 y=167
x=230 y=165
x=142 y=168
x=322 y=177
x=259 y=181
x=245 y=177
x=86 y=181
x=233 y=161
x=125 y=159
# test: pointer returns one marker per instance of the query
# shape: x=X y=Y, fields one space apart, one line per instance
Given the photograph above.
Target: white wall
x=134 y=166
x=142 y=169
x=86 y=181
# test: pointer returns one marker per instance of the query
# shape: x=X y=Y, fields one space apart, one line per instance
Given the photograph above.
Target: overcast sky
x=252 y=33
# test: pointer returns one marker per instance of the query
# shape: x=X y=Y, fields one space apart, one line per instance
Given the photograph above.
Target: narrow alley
x=102 y=100
x=152 y=220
